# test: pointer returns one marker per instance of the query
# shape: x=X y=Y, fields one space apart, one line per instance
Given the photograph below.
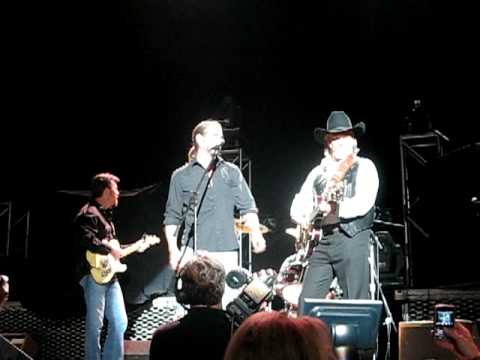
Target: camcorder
x=444 y=316
x=257 y=292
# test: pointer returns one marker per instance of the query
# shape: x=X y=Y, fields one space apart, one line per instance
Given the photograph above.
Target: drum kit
x=289 y=281
x=240 y=227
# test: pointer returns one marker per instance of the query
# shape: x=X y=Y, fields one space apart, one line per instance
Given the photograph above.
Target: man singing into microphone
x=219 y=188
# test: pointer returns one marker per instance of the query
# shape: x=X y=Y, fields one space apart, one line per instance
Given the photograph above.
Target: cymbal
x=241 y=227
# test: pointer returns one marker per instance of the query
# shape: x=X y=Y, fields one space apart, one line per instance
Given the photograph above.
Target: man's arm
x=366 y=189
x=258 y=241
x=115 y=251
x=173 y=250
x=302 y=205
x=245 y=202
x=173 y=217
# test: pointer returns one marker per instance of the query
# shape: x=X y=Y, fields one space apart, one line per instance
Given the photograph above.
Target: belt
x=331 y=229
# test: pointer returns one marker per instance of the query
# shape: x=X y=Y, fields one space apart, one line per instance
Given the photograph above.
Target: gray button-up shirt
x=227 y=191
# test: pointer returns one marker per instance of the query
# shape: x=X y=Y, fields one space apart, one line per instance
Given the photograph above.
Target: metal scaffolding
x=416 y=150
x=239 y=158
x=9 y=223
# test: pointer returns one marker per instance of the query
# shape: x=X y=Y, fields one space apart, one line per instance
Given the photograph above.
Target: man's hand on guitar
x=324 y=207
x=104 y=267
x=115 y=250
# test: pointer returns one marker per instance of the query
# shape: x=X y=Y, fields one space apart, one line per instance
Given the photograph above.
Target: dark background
x=93 y=86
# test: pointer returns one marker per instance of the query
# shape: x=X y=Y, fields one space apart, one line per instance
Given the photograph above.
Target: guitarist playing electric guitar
x=335 y=209
x=98 y=261
x=104 y=267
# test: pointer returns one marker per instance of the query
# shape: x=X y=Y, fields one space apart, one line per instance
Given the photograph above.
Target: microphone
x=218 y=147
x=238 y=277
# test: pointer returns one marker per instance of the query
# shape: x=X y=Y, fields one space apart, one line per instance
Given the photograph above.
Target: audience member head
x=4 y=289
x=201 y=281
x=274 y=335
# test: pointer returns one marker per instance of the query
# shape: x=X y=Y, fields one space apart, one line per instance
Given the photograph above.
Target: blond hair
x=273 y=335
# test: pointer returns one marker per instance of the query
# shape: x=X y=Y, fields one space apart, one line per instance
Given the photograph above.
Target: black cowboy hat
x=338 y=122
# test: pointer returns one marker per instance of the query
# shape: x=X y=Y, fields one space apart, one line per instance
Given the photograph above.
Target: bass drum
x=289 y=280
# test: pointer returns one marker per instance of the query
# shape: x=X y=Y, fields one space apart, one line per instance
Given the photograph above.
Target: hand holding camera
x=459 y=341
x=444 y=317
x=453 y=336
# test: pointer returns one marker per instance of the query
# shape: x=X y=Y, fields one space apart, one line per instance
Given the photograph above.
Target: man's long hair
x=199 y=129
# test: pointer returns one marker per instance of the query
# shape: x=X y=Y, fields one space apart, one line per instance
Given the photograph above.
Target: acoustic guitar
x=333 y=192
x=104 y=267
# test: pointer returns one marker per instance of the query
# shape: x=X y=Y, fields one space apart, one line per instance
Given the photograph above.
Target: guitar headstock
x=146 y=241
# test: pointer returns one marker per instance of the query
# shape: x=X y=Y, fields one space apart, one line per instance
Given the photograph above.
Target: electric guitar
x=104 y=267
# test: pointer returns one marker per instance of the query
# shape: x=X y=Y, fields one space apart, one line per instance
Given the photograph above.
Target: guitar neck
x=130 y=249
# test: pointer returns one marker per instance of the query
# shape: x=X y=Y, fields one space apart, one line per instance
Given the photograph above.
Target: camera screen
x=445 y=318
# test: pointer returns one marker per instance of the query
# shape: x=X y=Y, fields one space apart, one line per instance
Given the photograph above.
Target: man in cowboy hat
x=335 y=209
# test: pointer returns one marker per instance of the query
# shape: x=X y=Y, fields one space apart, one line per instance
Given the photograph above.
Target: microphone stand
x=389 y=318
x=193 y=206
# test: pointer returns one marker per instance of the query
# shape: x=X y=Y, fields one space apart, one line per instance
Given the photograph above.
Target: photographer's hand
x=460 y=342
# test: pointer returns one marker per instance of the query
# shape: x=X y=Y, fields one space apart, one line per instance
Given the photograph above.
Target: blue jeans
x=104 y=301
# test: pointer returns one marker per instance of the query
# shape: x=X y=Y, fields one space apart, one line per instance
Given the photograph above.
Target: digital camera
x=444 y=317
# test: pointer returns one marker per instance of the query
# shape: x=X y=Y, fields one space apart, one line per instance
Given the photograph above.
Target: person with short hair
x=95 y=230
x=205 y=330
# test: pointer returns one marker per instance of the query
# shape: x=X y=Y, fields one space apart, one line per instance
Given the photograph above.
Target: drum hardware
x=240 y=227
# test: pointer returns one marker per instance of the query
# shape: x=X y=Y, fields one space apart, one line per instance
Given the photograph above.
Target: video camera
x=258 y=289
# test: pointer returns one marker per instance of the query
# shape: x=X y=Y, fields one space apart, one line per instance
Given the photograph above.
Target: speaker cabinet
x=416 y=341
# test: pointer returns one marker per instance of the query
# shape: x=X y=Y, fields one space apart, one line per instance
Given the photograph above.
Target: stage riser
x=62 y=339
x=418 y=304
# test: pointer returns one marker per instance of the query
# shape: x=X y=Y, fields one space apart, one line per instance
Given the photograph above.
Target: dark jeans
x=341 y=256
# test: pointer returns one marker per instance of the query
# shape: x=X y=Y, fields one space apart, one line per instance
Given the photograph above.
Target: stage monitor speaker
x=137 y=350
x=9 y=351
x=416 y=341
